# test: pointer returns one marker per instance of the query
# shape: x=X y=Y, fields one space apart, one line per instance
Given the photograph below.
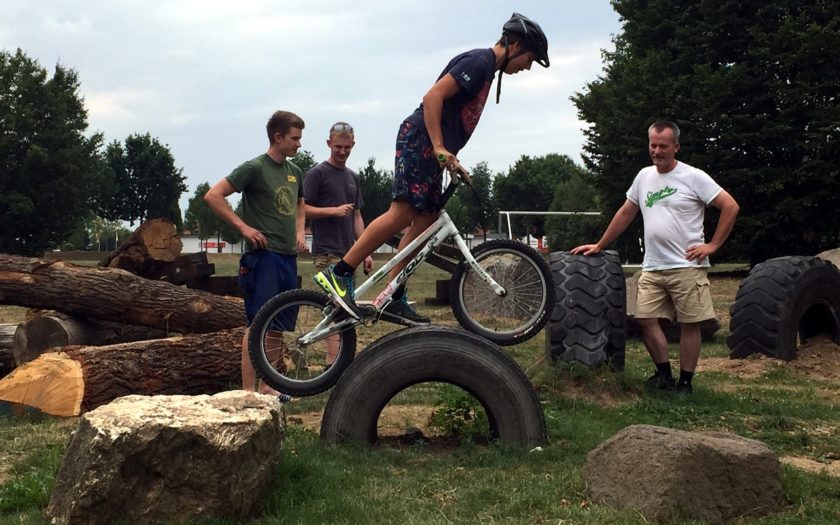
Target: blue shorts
x=417 y=173
x=264 y=274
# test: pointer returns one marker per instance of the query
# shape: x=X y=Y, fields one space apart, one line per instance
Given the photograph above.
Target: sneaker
x=683 y=388
x=285 y=398
x=400 y=311
x=340 y=288
x=657 y=382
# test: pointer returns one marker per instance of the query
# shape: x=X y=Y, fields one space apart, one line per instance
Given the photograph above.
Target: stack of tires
x=588 y=322
x=783 y=302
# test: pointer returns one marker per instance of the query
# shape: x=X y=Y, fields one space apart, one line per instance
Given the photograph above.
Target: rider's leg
x=421 y=223
x=399 y=216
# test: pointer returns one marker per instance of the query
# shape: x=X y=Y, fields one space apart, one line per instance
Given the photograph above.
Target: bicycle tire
x=442 y=354
x=522 y=312
x=300 y=371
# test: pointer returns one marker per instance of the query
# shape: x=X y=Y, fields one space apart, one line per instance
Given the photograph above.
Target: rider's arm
x=445 y=88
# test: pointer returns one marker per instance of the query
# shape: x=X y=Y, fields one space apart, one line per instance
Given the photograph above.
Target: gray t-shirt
x=325 y=186
x=673 y=205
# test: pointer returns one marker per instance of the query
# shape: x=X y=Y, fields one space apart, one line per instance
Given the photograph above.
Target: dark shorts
x=417 y=174
x=264 y=274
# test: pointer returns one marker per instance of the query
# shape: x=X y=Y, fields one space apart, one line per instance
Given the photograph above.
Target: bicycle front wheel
x=522 y=311
x=278 y=356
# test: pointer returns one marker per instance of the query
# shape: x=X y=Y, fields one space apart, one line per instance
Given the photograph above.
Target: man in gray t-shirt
x=333 y=196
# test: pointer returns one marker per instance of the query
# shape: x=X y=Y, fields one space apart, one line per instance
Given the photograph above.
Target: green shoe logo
x=337 y=287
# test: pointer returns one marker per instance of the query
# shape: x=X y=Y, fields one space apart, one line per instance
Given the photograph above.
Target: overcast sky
x=204 y=76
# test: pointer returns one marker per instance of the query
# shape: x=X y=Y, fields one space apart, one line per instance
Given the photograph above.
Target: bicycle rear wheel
x=524 y=309
x=278 y=356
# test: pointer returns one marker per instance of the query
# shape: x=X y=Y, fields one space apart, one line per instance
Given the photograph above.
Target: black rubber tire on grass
x=434 y=354
x=783 y=301
x=588 y=322
x=530 y=293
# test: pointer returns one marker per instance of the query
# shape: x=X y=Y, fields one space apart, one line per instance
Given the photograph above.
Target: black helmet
x=530 y=34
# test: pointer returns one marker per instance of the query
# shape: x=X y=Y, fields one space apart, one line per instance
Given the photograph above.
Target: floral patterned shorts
x=417 y=174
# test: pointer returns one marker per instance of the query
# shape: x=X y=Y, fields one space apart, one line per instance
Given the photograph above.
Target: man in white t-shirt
x=673 y=197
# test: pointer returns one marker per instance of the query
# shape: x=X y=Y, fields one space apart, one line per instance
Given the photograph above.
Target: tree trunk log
x=7 y=357
x=81 y=378
x=53 y=329
x=115 y=295
x=149 y=251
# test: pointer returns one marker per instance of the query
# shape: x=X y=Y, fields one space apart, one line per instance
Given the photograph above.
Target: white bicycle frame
x=442 y=229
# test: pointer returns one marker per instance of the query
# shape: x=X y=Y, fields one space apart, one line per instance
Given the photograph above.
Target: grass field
x=793 y=407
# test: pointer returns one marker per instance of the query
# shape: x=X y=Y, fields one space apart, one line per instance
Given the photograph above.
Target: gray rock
x=142 y=459
x=666 y=473
x=832 y=256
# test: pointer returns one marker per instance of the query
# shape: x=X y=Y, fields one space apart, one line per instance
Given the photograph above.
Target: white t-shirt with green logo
x=672 y=207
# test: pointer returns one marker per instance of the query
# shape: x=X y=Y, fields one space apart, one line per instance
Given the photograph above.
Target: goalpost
x=508 y=213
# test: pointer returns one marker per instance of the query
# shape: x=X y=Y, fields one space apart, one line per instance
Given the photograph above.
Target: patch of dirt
x=832 y=468
x=817 y=359
x=394 y=421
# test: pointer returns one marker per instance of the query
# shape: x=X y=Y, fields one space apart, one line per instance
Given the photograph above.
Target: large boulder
x=665 y=473
x=832 y=256
x=142 y=459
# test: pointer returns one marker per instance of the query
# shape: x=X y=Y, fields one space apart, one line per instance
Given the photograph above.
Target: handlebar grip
x=441 y=158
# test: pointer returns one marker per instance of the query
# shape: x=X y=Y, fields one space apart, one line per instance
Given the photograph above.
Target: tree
x=473 y=206
x=564 y=232
x=200 y=219
x=145 y=184
x=752 y=84
x=377 y=190
x=304 y=160
x=49 y=170
x=529 y=186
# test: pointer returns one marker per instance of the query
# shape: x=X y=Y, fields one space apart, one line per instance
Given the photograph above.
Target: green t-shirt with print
x=270 y=192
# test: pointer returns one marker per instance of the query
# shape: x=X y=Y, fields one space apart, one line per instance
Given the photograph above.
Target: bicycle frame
x=442 y=229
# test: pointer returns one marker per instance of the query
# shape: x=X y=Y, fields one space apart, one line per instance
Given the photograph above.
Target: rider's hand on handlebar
x=450 y=162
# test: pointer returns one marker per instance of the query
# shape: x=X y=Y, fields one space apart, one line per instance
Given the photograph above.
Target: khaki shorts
x=681 y=294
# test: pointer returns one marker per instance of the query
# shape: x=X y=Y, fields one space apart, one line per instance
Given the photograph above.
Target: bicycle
x=502 y=290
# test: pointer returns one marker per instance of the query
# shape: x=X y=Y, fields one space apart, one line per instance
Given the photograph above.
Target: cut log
x=149 y=251
x=53 y=329
x=7 y=356
x=81 y=378
x=115 y=295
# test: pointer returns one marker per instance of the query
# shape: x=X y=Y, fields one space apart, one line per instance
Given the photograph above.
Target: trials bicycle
x=501 y=290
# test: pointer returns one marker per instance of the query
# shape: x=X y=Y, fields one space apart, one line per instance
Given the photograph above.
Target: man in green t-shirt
x=272 y=222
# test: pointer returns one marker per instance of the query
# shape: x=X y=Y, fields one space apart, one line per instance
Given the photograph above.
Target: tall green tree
x=145 y=184
x=529 y=186
x=564 y=232
x=199 y=218
x=304 y=160
x=753 y=85
x=473 y=206
x=377 y=190
x=49 y=170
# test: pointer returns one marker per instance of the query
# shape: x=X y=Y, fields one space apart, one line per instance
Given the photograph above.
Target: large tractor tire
x=588 y=322
x=783 y=302
x=434 y=354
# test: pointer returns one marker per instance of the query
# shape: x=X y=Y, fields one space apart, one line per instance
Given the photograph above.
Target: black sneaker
x=683 y=388
x=657 y=382
x=340 y=288
x=401 y=312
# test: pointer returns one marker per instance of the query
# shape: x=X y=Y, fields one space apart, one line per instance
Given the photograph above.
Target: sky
x=204 y=76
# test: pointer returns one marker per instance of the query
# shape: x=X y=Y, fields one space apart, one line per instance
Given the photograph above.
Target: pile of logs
x=127 y=326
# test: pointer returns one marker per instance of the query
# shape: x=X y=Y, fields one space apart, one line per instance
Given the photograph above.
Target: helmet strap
x=502 y=70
